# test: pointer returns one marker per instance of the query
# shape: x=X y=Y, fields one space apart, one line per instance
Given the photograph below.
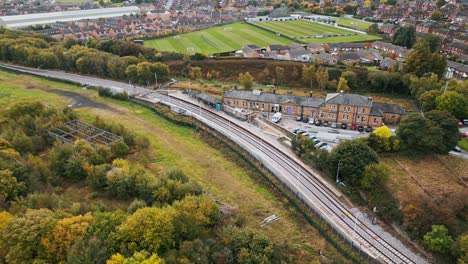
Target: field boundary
x=274 y=32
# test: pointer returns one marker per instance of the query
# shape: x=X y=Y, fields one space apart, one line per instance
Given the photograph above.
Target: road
x=303 y=181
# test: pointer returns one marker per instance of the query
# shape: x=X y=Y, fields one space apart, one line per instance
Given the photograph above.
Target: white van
x=276 y=118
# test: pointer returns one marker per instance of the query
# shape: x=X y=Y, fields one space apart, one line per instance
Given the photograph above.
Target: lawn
x=463 y=143
x=218 y=39
x=173 y=145
x=307 y=31
x=353 y=23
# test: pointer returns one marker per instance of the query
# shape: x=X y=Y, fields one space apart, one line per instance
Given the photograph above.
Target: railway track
x=362 y=234
x=301 y=180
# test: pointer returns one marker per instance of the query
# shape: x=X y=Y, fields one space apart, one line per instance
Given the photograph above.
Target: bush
x=119 y=149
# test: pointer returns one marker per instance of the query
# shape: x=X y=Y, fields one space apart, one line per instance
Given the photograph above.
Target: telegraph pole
x=338 y=172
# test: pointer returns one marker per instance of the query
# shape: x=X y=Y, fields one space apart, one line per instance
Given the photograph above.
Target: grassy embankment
x=174 y=145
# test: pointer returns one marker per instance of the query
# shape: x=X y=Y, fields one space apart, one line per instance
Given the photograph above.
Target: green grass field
x=353 y=23
x=217 y=39
x=306 y=31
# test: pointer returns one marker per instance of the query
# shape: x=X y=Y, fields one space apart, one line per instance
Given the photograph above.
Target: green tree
x=424 y=84
x=354 y=156
x=150 y=229
x=279 y=75
x=246 y=80
x=132 y=73
x=428 y=100
x=343 y=85
x=322 y=77
x=374 y=176
x=421 y=61
x=433 y=42
x=195 y=73
x=87 y=251
x=438 y=239
x=119 y=149
x=448 y=123
x=440 y=3
x=373 y=29
x=308 y=75
x=145 y=73
x=454 y=103
x=10 y=188
x=405 y=36
x=140 y=257
x=104 y=227
x=436 y=15
x=420 y=134
x=20 y=240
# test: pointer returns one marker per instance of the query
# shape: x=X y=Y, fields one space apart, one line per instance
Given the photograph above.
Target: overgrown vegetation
x=170 y=219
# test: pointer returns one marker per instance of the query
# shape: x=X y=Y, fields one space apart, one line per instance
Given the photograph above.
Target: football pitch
x=219 y=39
x=307 y=31
x=352 y=23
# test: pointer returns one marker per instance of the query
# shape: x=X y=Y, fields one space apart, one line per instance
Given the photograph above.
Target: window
x=334 y=108
x=263 y=106
x=349 y=109
x=321 y=115
x=375 y=120
x=363 y=110
x=393 y=116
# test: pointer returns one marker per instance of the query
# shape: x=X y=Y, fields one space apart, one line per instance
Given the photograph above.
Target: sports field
x=353 y=23
x=306 y=31
x=217 y=39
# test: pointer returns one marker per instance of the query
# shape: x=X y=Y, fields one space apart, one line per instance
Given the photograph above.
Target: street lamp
x=448 y=77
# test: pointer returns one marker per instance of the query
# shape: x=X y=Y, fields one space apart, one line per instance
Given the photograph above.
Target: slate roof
x=389 y=108
x=375 y=111
x=348 y=99
x=273 y=98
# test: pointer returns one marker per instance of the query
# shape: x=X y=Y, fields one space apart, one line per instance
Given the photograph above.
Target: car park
x=325 y=123
x=344 y=126
x=318 y=122
x=360 y=128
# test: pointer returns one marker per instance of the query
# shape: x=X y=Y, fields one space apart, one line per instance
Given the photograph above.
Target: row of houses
x=341 y=108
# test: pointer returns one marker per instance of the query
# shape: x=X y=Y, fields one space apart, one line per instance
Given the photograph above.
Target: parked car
x=369 y=129
x=318 y=122
x=305 y=120
x=464 y=134
x=298 y=119
x=316 y=140
x=460 y=124
x=325 y=123
x=465 y=121
x=457 y=149
x=353 y=127
x=321 y=145
x=296 y=130
x=311 y=121
x=360 y=128
x=301 y=132
x=306 y=134
x=334 y=125
x=276 y=117
x=344 y=126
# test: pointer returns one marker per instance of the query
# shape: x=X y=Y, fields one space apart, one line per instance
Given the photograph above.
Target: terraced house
x=340 y=108
x=356 y=109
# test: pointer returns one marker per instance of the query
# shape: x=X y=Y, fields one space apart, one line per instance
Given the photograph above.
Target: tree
x=374 y=176
x=427 y=83
x=279 y=75
x=440 y=3
x=20 y=240
x=343 y=85
x=150 y=229
x=322 y=77
x=195 y=73
x=119 y=149
x=140 y=257
x=354 y=156
x=132 y=73
x=420 y=134
x=436 y=15
x=421 y=61
x=246 y=80
x=428 y=100
x=405 y=36
x=383 y=131
x=438 y=239
x=104 y=227
x=308 y=75
x=64 y=235
x=145 y=73
x=448 y=123
x=87 y=251
x=373 y=29
x=454 y=103
x=433 y=42
x=462 y=243
x=9 y=186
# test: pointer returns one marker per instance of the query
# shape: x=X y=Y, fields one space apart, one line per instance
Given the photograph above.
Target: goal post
x=190 y=49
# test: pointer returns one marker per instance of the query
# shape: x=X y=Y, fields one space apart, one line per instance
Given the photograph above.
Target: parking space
x=329 y=135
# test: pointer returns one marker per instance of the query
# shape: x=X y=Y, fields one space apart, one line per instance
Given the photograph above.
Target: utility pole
x=448 y=76
x=338 y=172
x=156 y=79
